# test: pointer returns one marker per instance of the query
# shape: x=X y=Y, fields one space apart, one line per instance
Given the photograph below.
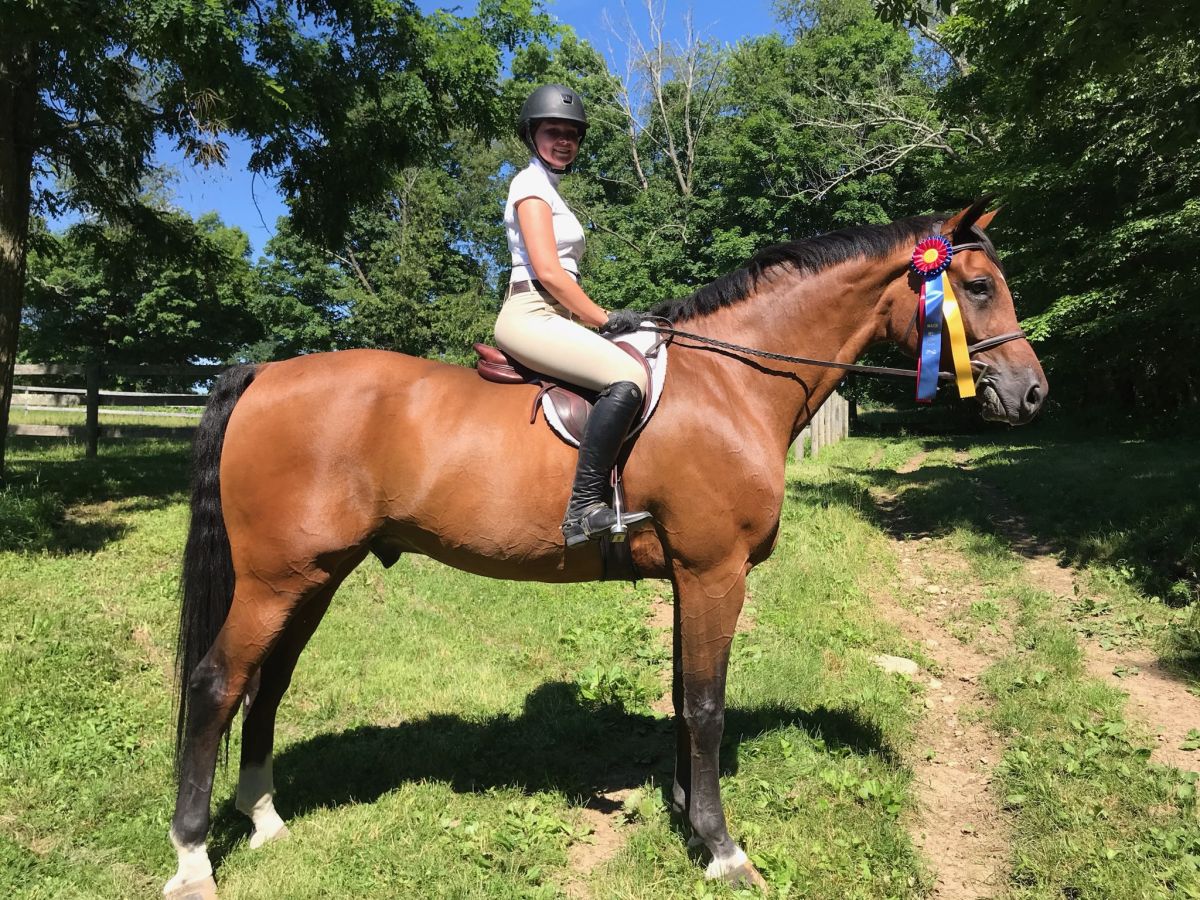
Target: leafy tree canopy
x=336 y=96
x=113 y=294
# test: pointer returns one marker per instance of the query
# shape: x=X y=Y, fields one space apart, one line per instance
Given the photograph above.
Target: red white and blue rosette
x=930 y=260
x=931 y=257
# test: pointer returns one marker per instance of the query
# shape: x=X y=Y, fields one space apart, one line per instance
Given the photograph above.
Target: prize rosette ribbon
x=937 y=303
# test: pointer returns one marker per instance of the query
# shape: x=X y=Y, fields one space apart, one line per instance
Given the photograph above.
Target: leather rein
x=670 y=331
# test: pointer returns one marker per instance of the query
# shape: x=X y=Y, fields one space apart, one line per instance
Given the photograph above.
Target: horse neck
x=832 y=315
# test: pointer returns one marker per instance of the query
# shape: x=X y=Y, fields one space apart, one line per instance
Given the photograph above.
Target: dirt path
x=604 y=813
x=961 y=828
x=1157 y=698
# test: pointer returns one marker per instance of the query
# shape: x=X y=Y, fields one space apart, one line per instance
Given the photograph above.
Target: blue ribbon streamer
x=930 y=325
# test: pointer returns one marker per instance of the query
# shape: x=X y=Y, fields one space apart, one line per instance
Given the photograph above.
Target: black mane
x=806 y=257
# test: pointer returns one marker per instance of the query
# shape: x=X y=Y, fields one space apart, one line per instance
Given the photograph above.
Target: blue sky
x=253 y=204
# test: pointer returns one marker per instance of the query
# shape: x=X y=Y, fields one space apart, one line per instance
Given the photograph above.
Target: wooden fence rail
x=829 y=424
x=92 y=398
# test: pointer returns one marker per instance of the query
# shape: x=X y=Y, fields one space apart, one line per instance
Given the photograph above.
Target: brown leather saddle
x=572 y=403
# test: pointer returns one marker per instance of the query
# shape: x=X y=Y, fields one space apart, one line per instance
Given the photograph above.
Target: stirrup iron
x=580 y=530
x=620 y=528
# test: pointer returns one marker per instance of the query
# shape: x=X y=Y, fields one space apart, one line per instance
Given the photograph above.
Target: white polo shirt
x=536 y=180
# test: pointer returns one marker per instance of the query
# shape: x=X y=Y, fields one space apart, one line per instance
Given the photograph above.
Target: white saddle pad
x=654 y=347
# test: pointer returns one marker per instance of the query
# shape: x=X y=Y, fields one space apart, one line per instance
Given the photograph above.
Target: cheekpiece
x=931 y=257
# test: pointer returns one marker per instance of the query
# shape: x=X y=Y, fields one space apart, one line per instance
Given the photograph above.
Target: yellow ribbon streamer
x=958 y=340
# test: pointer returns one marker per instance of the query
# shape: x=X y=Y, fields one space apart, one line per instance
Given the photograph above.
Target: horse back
x=402 y=454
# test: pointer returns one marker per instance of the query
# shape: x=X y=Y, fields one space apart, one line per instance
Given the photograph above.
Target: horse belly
x=480 y=488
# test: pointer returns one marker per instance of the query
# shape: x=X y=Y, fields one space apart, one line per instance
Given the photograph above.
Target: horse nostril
x=1033 y=397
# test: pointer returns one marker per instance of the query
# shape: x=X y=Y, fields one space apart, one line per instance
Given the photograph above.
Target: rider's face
x=557 y=142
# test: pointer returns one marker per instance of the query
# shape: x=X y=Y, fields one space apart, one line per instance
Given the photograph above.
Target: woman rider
x=542 y=323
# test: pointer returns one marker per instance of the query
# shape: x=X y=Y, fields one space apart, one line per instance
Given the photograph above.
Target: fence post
x=92 y=382
x=814 y=443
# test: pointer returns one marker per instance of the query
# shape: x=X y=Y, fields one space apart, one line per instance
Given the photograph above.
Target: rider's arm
x=537 y=229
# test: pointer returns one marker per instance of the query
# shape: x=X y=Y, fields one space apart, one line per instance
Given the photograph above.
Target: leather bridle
x=669 y=330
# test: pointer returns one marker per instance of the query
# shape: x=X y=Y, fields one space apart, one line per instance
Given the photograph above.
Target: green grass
x=1092 y=817
x=442 y=730
x=76 y=415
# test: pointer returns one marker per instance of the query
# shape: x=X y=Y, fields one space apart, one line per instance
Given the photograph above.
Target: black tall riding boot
x=588 y=513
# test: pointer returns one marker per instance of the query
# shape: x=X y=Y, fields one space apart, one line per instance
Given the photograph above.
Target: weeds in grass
x=29 y=513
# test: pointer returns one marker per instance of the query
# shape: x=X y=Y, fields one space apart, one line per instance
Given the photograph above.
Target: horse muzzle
x=1010 y=396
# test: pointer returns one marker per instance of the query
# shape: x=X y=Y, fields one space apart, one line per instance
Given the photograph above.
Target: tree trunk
x=18 y=95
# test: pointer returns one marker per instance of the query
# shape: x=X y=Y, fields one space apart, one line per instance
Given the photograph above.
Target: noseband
x=668 y=329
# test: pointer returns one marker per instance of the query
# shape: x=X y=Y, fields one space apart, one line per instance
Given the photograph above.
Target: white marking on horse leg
x=255 y=797
x=193 y=865
x=723 y=865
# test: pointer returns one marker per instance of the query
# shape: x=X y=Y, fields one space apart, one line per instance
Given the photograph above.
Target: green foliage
x=117 y=295
x=337 y=97
x=1099 y=168
x=614 y=686
x=413 y=275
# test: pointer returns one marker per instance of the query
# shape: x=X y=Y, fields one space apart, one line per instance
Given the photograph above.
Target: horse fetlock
x=256 y=799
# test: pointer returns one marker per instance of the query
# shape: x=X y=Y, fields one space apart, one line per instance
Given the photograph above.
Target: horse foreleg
x=709 y=605
x=681 y=789
x=256 y=784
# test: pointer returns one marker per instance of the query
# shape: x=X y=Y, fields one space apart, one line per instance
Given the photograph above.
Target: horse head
x=1009 y=380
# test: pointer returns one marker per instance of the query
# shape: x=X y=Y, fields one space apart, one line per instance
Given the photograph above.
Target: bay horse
x=305 y=467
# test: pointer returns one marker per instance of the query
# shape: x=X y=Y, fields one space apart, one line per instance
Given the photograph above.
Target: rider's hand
x=622 y=321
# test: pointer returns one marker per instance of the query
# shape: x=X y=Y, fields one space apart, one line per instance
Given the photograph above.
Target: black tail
x=206 y=586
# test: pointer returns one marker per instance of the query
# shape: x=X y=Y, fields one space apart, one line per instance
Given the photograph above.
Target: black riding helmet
x=550 y=101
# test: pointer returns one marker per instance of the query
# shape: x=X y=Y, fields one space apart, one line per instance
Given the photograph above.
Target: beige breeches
x=536 y=330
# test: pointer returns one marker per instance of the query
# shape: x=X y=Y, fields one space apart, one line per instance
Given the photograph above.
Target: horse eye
x=980 y=287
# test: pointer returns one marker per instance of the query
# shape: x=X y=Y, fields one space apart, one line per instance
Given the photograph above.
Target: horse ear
x=958 y=227
x=986 y=219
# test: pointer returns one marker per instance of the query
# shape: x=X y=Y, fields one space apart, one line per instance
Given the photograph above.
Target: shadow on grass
x=56 y=500
x=558 y=743
x=1133 y=504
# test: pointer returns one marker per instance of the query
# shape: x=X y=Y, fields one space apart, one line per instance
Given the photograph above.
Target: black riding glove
x=622 y=321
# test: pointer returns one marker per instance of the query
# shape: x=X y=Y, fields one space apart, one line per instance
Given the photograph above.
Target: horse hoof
x=736 y=871
x=196 y=890
x=258 y=837
x=745 y=876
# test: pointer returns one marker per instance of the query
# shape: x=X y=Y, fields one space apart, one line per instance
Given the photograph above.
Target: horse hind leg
x=256 y=786
x=214 y=688
x=258 y=617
